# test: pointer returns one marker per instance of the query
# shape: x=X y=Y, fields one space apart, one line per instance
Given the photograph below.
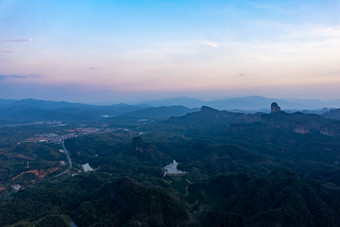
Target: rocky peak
x=275 y=108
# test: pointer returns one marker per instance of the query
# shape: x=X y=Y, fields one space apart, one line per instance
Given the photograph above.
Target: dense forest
x=237 y=169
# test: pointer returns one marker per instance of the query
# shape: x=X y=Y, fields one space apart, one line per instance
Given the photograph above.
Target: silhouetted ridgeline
x=36 y=110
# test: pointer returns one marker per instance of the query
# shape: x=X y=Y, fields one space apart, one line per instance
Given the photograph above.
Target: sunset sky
x=129 y=51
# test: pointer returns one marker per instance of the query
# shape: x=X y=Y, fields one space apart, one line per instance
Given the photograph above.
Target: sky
x=110 y=51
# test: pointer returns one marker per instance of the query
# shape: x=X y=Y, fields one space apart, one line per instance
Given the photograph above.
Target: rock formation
x=275 y=108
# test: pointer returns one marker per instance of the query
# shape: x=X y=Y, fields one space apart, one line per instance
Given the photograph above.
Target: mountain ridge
x=255 y=103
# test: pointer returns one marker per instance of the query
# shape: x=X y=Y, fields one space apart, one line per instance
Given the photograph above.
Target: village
x=59 y=136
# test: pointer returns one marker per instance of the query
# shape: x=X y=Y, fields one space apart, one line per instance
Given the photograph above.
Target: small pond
x=87 y=167
x=172 y=168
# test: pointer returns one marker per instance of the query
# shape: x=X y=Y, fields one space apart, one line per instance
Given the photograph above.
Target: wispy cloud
x=317 y=32
x=5 y=77
x=210 y=44
x=9 y=51
x=94 y=68
x=12 y=76
x=17 y=40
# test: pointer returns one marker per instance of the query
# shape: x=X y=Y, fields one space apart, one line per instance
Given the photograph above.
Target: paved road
x=69 y=161
x=58 y=175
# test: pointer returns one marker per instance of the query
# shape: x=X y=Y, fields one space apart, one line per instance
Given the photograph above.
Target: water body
x=87 y=167
x=73 y=224
x=172 y=168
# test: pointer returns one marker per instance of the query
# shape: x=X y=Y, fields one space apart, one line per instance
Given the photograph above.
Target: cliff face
x=275 y=108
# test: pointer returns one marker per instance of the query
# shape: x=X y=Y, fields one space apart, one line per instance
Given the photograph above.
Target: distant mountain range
x=158 y=113
x=249 y=103
x=297 y=122
x=28 y=110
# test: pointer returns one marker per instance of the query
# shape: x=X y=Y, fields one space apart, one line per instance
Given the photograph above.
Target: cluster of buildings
x=68 y=133
x=48 y=138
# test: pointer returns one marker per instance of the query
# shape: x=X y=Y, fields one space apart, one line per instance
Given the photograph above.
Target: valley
x=206 y=167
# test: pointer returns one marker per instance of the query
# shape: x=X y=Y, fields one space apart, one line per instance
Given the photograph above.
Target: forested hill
x=298 y=122
x=30 y=110
x=205 y=168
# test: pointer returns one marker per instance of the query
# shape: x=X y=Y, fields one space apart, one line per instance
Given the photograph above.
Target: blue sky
x=128 y=51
